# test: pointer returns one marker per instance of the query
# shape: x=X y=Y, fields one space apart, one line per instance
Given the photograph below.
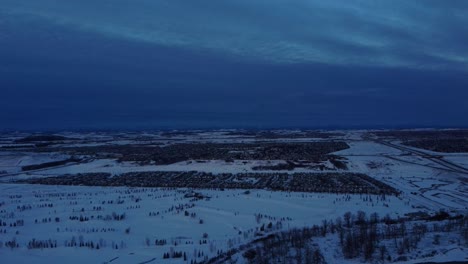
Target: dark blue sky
x=210 y=64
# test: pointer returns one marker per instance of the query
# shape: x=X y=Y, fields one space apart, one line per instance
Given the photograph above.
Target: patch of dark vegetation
x=196 y=196
x=296 y=182
x=49 y=164
x=364 y=237
x=361 y=237
x=441 y=145
x=292 y=246
x=170 y=134
x=42 y=138
x=289 y=165
x=18 y=146
x=448 y=262
x=338 y=162
x=311 y=151
x=408 y=135
x=286 y=134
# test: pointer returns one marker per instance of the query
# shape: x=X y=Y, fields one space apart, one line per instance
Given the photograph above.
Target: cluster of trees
x=80 y=242
x=41 y=244
x=41 y=138
x=259 y=217
x=441 y=145
x=177 y=209
x=49 y=164
x=118 y=201
x=118 y=217
x=16 y=223
x=23 y=208
x=290 y=165
x=160 y=242
x=153 y=213
x=286 y=247
x=180 y=208
x=97 y=208
x=292 y=246
x=175 y=254
x=80 y=218
x=358 y=234
x=361 y=236
x=192 y=215
x=44 y=205
x=87 y=230
x=133 y=207
x=423 y=134
x=115 y=216
x=338 y=163
x=48 y=220
x=272 y=134
x=83 y=218
x=10 y=244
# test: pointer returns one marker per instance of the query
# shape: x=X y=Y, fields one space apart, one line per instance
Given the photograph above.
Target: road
x=446 y=165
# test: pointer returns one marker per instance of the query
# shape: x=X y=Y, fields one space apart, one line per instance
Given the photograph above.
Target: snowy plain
x=224 y=218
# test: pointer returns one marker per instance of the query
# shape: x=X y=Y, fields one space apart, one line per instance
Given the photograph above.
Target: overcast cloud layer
x=232 y=63
x=416 y=33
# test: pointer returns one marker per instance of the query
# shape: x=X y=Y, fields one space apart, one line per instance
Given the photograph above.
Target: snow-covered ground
x=420 y=180
x=228 y=218
x=12 y=162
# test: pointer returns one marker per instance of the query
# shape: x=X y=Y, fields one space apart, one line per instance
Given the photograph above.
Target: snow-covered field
x=127 y=222
x=229 y=219
x=11 y=162
x=420 y=180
